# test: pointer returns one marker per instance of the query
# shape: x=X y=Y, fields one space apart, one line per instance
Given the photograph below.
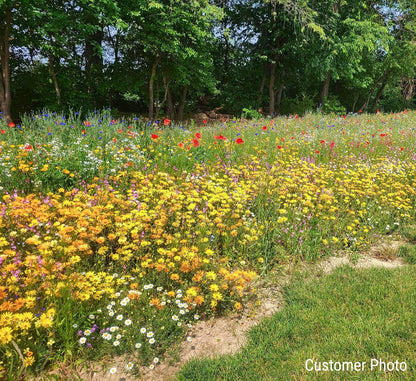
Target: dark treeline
x=171 y=57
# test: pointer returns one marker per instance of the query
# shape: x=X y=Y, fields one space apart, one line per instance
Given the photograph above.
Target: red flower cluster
x=220 y=137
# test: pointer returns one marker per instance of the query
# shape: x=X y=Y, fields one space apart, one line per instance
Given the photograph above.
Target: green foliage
x=297 y=106
x=333 y=105
x=92 y=54
x=249 y=113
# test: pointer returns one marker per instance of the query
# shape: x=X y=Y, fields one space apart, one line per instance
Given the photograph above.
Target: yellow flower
x=211 y=275
x=217 y=296
x=6 y=335
x=238 y=306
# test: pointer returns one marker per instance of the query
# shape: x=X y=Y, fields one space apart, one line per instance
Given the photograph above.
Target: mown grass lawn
x=348 y=316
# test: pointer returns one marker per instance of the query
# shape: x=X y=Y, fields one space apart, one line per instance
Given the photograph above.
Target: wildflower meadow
x=117 y=235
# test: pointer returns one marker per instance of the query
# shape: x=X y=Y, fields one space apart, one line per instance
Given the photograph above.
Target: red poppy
x=2 y=131
x=198 y=135
x=322 y=141
x=114 y=140
x=239 y=141
x=401 y=149
x=86 y=123
x=332 y=145
x=264 y=128
x=195 y=142
x=83 y=132
x=204 y=121
x=28 y=147
x=279 y=147
x=318 y=151
x=180 y=145
x=220 y=137
x=166 y=122
x=154 y=136
x=11 y=124
x=120 y=130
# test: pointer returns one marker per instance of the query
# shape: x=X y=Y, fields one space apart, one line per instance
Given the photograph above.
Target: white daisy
x=143 y=330
x=127 y=322
x=129 y=365
x=119 y=317
x=138 y=345
x=152 y=341
x=116 y=343
x=113 y=370
x=82 y=340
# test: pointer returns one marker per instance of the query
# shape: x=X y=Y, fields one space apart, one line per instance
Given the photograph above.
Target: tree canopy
x=160 y=57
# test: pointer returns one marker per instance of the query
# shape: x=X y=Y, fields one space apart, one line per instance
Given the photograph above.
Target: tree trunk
x=54 y=79
x=151 y=92
x=271 y=87
x=182 y=103
x=380 y=91
x=325 y=88
x=355 y=103
x=168 y=97
x=408 y=86
x=5 y=90
x=279 y=94
x=93 y=59
x=379 y=79
x=263 y=83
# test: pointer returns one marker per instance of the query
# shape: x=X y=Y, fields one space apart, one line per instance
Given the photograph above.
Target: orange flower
x=199 y=299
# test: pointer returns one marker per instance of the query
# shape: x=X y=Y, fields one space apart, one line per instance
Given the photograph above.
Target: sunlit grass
x=350 y=316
